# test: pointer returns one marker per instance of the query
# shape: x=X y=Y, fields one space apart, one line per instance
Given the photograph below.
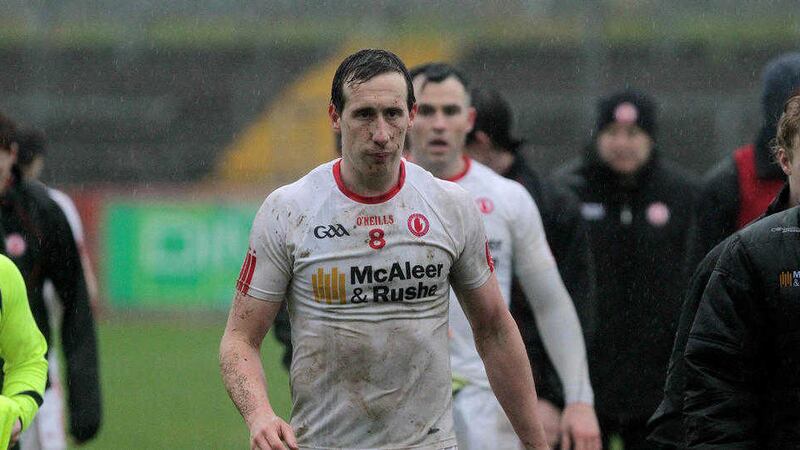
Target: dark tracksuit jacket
x=743 y=351
x=666 y=424
x=638 y=229
x=39 y=241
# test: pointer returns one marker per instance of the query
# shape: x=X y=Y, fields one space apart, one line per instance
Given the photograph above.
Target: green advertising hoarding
x=174 y=254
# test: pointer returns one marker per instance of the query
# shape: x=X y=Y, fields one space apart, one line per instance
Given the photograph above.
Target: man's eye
x=425 y=110
x=394 y=113
x=363 y=113
x=451 y=110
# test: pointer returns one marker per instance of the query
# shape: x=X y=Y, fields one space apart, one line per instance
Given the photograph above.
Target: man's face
x=624 y=147
x=443 y=121
x=373 y=124
x=8 y=156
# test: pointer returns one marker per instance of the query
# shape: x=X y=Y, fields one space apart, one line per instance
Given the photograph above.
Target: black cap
x=494 y=118
x=628 y=107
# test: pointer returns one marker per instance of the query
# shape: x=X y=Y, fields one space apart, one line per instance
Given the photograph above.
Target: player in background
x=22 y=350
x=39 y=241
x=365 y=250
x=48 y=429
x=492 y=143
x=519 y=247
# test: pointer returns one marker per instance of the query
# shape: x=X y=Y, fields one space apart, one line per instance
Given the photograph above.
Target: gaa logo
x=330 y=231
x=418 y=225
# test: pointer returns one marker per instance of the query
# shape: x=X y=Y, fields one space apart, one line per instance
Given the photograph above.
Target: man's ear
x=783 y=159
x=482 y=138
x=472 y=114
x=335 y=118
x=412 y=114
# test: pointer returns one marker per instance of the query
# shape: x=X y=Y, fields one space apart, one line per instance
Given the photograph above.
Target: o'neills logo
x=370 y=221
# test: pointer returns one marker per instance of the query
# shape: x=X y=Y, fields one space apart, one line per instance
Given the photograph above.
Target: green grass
x=162 y=387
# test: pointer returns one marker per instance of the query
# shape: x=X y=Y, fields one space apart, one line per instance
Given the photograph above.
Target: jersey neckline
x=463 y=173
x=337 y=176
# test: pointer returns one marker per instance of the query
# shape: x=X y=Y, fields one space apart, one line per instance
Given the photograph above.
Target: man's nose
x=381 y=134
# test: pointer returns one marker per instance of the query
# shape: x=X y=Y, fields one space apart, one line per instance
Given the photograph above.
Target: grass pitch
x=162 y=388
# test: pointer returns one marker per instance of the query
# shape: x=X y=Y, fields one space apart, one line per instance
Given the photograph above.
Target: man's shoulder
x=305 y=188
x=434 y=189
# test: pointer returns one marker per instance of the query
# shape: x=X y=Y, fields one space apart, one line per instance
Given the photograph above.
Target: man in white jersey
x=364 y=249
x=517 y=242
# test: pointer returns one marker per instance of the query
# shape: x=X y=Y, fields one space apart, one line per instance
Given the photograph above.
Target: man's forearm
x=244 y=379
x=510 y=376
x=561 y=333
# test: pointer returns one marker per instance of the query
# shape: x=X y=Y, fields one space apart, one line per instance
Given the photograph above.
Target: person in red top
x=740 y=187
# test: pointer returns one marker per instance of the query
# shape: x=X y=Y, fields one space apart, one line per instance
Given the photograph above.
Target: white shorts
x=480 y=422
x=46 y=432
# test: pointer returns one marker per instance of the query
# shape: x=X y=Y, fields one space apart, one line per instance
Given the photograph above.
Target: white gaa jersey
x=367 y=280
x=516 y=240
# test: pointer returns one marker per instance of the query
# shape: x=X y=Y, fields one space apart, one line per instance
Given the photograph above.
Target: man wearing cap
x=639 y=210
x=492 y=143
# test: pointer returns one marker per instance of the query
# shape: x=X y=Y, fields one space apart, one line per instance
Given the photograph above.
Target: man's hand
x=550 y=416
x=270 y=433
x=15 y=432
x=579 y=428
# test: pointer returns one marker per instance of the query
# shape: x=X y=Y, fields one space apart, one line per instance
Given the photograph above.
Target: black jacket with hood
x=638 y=229
x=743 y=351
x=666 y=425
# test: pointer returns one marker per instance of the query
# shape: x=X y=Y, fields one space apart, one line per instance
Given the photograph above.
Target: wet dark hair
x=31 y=143
x=788 y=125
x=363 y=66
x=494 y=117
x=8 y=132
x=438 y=72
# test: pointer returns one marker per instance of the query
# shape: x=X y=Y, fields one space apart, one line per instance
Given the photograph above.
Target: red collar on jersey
x=463 y=173
x=337 y=175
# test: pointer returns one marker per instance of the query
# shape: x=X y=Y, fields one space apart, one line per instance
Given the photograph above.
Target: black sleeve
x=721 y=396
x=716 y=211
x=666 y=424
x=283 y=333
x=62 y=265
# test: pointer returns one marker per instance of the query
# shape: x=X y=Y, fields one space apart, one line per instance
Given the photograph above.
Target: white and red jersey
x=367 y=280
x=517 y=241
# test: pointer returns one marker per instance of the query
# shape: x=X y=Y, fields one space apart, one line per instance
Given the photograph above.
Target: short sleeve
x=474 y=264
x=267 y=267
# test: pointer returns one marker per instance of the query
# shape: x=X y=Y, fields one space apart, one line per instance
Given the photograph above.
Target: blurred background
x=169 y=122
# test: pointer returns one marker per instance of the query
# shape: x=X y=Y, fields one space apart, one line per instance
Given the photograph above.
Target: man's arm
x=240 y=363
x=63 y=267
x=556 y=320
x=22 y=347
x=722 y=359
x=500 y=346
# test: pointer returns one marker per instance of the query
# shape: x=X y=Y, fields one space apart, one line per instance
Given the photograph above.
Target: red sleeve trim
x=246 y=273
